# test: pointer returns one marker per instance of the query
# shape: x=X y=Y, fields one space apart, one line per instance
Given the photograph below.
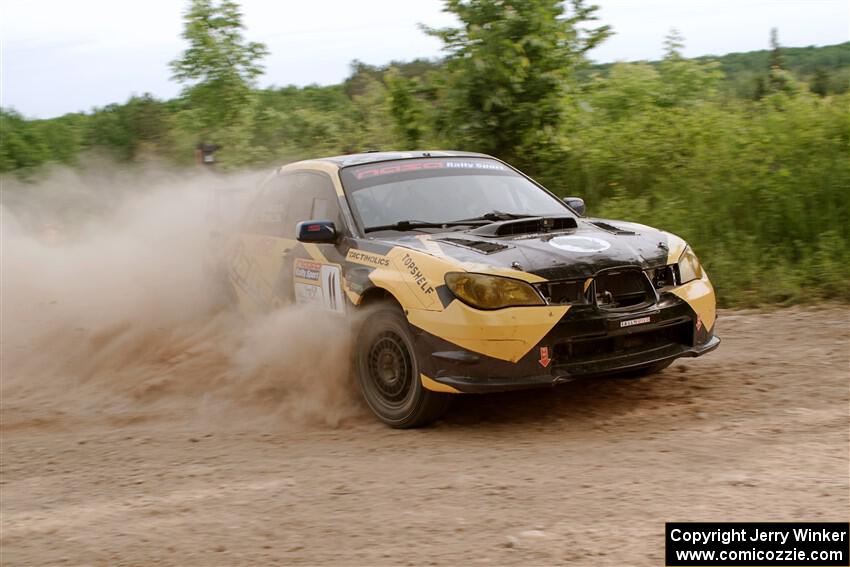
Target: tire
x=388 y=372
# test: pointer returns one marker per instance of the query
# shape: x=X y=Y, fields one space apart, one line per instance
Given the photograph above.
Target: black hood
x=579 y=252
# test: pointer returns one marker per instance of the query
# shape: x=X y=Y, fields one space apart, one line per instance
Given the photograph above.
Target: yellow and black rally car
x=477 y=278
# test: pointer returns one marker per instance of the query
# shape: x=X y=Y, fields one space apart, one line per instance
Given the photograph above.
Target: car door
x=265 y=240
x=270 y=268
x=317 y=268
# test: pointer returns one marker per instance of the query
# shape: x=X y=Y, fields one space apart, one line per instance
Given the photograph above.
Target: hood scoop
x=533 y=225
x=477 y=245
x=611 y=228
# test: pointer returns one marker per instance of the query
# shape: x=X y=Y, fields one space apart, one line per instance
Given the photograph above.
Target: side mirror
x=316 y=231
x=576 y=204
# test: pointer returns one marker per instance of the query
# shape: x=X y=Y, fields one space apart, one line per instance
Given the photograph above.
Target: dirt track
x=587 y=473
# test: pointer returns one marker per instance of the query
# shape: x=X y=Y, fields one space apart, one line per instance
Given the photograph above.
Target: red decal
x=699 y=323
x=390 y=169
x=314 y=228
x=544 y=356
x=367 y=173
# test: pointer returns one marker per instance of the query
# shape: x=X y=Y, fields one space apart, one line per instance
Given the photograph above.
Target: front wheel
x=388 y=372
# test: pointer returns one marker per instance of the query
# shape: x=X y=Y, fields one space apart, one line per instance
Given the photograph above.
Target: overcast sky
x=63 y=56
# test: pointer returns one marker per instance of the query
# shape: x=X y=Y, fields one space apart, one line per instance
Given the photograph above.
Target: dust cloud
x=108 y=309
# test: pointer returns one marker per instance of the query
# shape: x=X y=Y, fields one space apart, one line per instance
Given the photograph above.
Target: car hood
x=593 y=245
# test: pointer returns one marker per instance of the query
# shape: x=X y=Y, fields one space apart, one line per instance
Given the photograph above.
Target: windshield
x=435 y=190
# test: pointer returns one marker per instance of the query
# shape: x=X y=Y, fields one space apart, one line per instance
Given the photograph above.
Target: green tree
x=777 y=75
x=405 y=109
x=820 y=82
x=219 y=69
x=510 y=69
x=629 y=88
x=22 y=147
x=760 y=88
x=685 y=80
x=776 y=60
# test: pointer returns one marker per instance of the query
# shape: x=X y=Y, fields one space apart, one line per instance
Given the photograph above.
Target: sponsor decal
x=307 y=294
x=699 y=322
x=418 y=277
x=367 y=258
x=307 y=270
x=544 y=357
x=474 y=165
x=398 y=168
x=632 y=322
x=427 y=164
x=318 y=284
x=580 y=244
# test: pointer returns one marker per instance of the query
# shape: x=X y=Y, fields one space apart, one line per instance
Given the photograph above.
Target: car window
x=442 y=190
x=290 y=198
x=319 y=190
x=268 y=213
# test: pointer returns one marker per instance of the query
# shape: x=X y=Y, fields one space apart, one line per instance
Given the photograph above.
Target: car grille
x=570 y=292
x=578 y=350
x=623 y=288
x=627 y=288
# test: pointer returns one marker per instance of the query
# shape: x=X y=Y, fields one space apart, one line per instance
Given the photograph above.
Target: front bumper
x=587 y=341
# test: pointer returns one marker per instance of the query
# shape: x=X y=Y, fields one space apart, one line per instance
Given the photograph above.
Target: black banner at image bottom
x=761 y=544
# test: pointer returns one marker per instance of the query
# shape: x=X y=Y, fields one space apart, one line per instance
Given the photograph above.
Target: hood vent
x=611 y=228
x=477 y=245
x=534 y=225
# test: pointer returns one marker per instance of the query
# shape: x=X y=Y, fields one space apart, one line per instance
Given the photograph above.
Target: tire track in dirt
x=586 y=473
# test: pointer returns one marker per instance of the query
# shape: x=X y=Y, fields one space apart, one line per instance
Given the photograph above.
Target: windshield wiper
x=495 y=216
x=416 y=225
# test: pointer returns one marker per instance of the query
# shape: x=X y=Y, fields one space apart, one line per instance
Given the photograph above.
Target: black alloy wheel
x=388 y=372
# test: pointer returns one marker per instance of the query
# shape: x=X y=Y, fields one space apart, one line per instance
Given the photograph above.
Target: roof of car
x=372 y=157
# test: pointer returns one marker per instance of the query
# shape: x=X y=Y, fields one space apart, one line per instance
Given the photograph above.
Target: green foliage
x=684 y=81
x=761 y=191
x=744 y=72
x=126 y=131
x=23 y=145
x=509 y=68
x=219 y=68
x=406 y=110
x=745 y=155
x=820 y=82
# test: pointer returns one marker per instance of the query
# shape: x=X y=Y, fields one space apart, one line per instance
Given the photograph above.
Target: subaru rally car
x=477 y=278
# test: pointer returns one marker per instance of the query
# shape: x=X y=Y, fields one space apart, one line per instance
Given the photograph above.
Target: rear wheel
x=388 y=372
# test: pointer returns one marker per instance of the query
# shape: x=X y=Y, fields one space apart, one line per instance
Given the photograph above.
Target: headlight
x=689 y=267
x=491 y=292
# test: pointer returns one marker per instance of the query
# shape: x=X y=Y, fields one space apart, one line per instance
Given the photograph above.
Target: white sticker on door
x=307 y=294
x=332 y=288
x=319 y=285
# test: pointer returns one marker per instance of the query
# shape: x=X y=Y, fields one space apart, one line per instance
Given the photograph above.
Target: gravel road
x=102 y=473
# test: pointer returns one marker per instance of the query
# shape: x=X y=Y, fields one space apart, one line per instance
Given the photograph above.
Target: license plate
x=633 y=322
